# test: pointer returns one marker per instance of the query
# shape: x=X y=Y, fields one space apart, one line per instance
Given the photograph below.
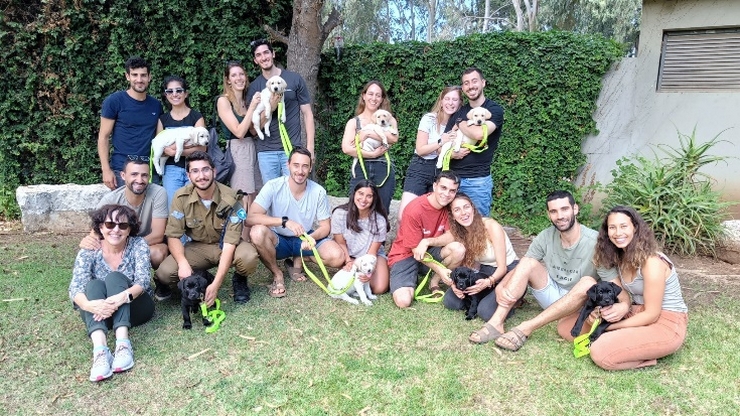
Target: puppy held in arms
x=182 y=137
x=476 y=117
x=463 y=278
x=193 y=290
x=363 y=266
x=383 y=125
x=275 y=86
x=599 y=295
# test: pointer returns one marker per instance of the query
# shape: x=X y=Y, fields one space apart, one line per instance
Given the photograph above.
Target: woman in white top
x=492 y=256
x=654 y=324
x=422 y=169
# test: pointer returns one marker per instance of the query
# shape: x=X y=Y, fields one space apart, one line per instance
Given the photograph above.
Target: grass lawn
x=308 y=354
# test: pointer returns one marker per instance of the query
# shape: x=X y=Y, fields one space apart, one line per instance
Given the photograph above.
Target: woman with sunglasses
x=235 y=114
x=360 y=227
x=422 y=170
x=110 y=287
x=176 y=98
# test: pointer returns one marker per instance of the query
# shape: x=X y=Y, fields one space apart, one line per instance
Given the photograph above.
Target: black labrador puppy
x=600 y=294
x=193 y=290
x=464 y=277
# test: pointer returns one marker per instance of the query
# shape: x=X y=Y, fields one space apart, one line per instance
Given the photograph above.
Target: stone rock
x=58 y=208
x=729 y=249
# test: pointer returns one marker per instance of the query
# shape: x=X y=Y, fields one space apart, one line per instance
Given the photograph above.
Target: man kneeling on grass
x=567 y=250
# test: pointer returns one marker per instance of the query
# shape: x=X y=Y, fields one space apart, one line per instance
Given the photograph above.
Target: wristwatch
x=285 y=220
x=129 y=297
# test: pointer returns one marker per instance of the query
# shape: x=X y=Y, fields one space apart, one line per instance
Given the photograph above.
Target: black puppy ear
x=592 y=293
x=615 y=287
x=202 y=282
x=179 y=285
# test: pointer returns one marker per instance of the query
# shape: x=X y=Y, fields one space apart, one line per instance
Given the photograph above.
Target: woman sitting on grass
x=110 y=286
x=360 y=227
x=493 y=256
x=655 y=325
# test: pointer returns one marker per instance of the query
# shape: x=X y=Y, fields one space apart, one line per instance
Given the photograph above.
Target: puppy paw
x=371 y=296
x=469 y=317
x=367 y=303
x=352 y=301
x=187 y=325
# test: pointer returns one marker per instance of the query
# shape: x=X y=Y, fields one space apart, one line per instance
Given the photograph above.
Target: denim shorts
x=420 y=175
x=288 y=247
x=480 y=191
x=273 y=164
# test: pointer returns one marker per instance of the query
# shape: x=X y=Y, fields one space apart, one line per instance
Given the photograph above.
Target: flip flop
x=296 y=273
x=485 y=334
x=277 y=290
x=512 y=340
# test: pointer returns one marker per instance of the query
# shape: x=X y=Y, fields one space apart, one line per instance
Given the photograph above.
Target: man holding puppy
x=211 y=215
x=424 y=225
x=560 y=285
x=286 y=209
x=272 y=158
x=474 y=167
x=148 y=200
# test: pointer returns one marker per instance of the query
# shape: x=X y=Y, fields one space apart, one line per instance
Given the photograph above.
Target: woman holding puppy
x=422 y=171
x=493 y=256
x=655 y=324
x=372 y=98
x=111 y=288
x=360 y=227
x=176 y=98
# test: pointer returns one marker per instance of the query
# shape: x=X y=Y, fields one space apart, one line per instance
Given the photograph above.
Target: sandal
x=512 y=340
x=485 y=334
x=296 y=273
x=277 y=290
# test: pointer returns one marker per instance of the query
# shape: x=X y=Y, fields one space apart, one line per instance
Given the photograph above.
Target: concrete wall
x=632 y=117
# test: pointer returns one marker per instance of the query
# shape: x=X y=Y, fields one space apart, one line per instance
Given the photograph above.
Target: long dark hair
x=353 y=214
x=642 y=246
x=384 y=105
x=184 y=85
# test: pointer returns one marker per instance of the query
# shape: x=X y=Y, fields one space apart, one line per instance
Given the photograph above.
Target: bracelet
x=490 y=282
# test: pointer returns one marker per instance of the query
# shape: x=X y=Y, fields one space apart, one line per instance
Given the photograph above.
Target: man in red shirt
x=424 y=225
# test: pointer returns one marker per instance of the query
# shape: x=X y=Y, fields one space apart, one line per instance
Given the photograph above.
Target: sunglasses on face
x=123 y=226
x=137 y=157
x=174 y=91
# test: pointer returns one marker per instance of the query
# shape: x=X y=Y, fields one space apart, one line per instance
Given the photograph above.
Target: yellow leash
x=437 y=295
x=581 y=343
x=329 y=289
x=477 y=148
x=362 y=162
x=287 y=146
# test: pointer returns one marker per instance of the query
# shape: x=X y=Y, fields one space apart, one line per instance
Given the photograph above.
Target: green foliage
x=547 y=83
x=672 y=195
x=62 y=58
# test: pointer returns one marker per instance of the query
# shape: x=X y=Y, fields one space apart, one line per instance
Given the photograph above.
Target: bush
x=672 y=195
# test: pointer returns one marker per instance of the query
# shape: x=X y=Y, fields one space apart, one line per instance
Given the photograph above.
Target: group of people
x=196 y=223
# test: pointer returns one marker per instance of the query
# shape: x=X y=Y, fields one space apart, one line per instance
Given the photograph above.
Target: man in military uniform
x=211 y=215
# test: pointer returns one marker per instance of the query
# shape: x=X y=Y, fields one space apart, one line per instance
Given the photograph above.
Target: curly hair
x=353 y=214
x=116 y=213
x=642 y=246
x=384 y=105
x=470 y=237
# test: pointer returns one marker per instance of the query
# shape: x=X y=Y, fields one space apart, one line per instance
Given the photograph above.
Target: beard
x=568 y=225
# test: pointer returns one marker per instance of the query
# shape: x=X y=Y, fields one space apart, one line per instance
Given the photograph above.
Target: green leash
x=287 y=146
x=481 y=146
x=581 y=342
x=329 y=289
x=362 y=162
x=437 y=295
x=215 y=316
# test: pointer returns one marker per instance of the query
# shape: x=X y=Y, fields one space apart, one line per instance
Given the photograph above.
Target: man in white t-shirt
x=285 y=209
x=148 y=200
x=558 y=268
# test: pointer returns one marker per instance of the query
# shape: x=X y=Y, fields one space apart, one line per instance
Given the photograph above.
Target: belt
x=418 y=159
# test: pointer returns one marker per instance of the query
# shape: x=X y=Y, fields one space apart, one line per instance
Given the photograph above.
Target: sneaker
x=163 y=292
x=241 y=288
x=101 y=365
x=124 y=357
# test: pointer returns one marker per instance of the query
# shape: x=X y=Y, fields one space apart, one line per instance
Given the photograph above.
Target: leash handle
x=329 y=289
x=434 y=297
x=215 y=316
x=287 y=145
x=582 y=342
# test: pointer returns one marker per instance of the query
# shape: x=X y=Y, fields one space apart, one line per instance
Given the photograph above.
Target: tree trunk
x=486 y=16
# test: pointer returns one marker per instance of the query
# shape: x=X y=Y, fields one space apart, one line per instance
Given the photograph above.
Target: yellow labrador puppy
x=384 y=124
x=181 y=137
x=275 y=86
x=476 y=117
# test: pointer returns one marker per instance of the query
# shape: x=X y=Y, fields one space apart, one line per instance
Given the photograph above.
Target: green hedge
x=547 y=83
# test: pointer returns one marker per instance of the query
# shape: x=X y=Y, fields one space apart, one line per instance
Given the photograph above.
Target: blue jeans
x=273 y=164
x=480 y=191
x=173 y=179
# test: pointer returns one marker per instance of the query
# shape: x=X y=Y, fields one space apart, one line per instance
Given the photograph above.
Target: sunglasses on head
x=262 y=41
x=123 y=226
x=171 y=91
x=137 y=157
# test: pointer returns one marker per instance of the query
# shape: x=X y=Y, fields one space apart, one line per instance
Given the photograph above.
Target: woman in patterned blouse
x=111 y=288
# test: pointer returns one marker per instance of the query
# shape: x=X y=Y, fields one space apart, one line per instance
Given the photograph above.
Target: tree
x=529 y=15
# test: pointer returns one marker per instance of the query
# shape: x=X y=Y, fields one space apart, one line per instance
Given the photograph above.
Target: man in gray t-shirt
x=558 y=268
x=148 y=200
x=285 y=209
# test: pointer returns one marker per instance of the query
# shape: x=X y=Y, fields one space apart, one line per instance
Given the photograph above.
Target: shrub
x=672 y=195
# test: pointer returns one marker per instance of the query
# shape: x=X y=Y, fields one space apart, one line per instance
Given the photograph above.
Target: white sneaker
x=124 y=358
x=101 y=368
